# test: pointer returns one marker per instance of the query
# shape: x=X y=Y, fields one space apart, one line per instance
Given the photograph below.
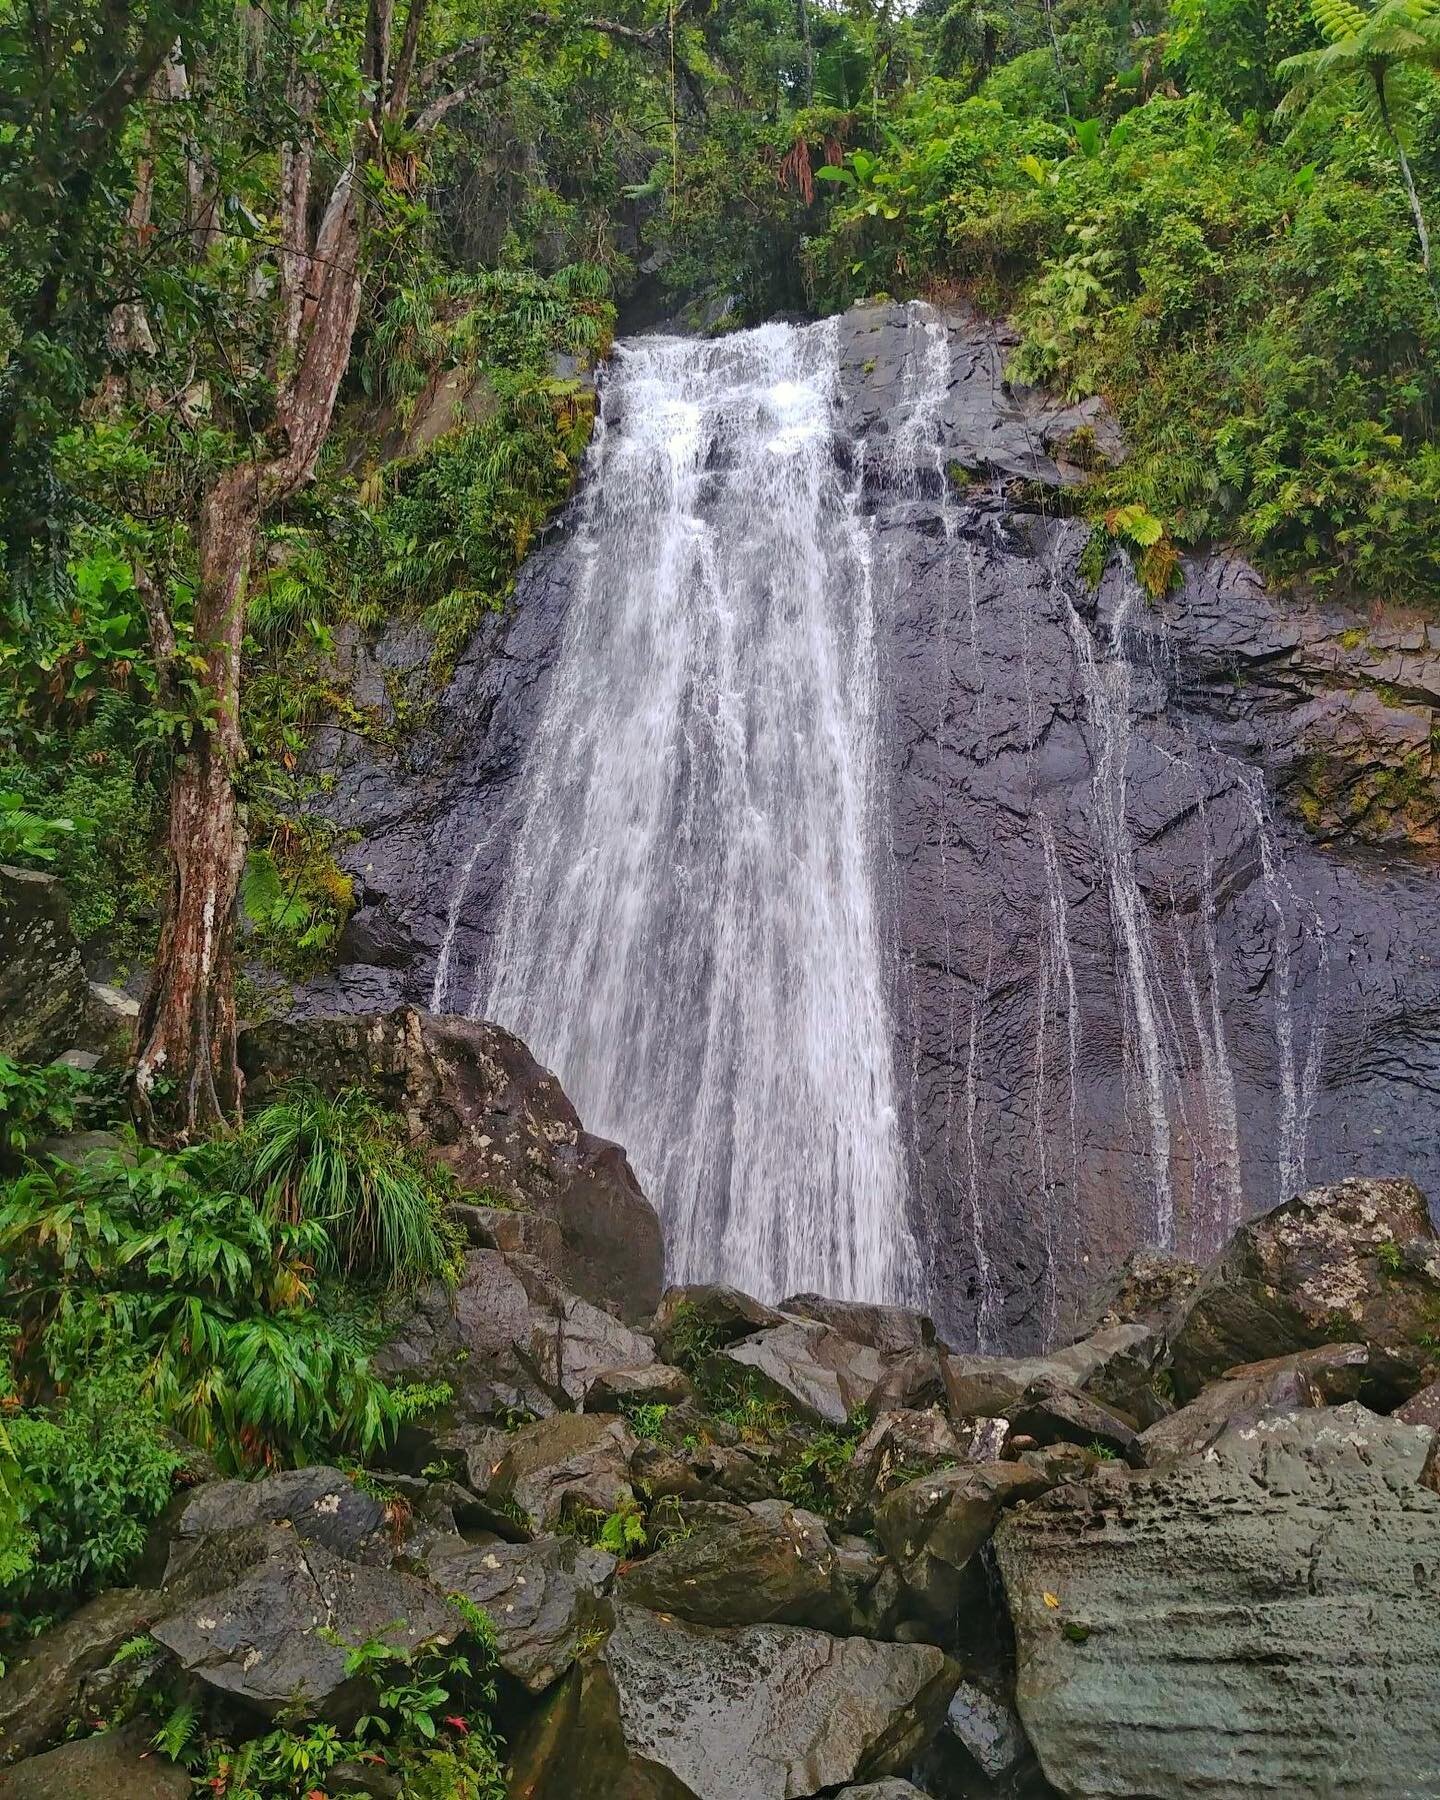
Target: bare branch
x=399 y=97
x=430 y=116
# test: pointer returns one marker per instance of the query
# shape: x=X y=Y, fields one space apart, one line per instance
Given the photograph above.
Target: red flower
x=457 y=1724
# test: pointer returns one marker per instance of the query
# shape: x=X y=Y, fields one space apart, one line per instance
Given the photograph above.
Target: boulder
x=547 y=1472
x=510 y=1338
x=120 y=1765
x=472 y=1094
x=1151 y=1287
x=1116 y=1365
x=656 y=1384
x=705 y=1316
x=672 y=1711
x=981 y=1748
x=1336 y=1372
x=723 y=1472
x=1048 y=1413
x=1310 y=1378
x=42 y=1680
x=932 y=1527
x=544 y=1599
x=892 y=1788
x=321 y=1504
x=45 y=999
x=890 y=1329
x=897 y=1447
x=267 y=1641
x=1422 y=1408
x=513 y=1229
x=827 y=1377
x=1257 y=1620
x=742 y=1565
x=1359 y=1262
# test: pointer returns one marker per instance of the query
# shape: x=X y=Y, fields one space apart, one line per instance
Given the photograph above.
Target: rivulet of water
x=692 y=933
x=1105 y=682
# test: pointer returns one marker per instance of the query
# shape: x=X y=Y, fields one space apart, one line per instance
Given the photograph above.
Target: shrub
x=90 y=1474
x=41 y=1099
x=161 y=1267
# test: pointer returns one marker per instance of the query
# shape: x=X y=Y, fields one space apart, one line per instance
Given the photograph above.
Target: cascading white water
x=692 y=933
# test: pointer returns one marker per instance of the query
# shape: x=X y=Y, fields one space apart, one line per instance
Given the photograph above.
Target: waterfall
x=693 y=932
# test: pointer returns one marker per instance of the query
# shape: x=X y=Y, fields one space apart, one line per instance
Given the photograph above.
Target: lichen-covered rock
x=1358 y=1262
x=45 y=1000
x=932 y=1527
x=321 y=1504
x=742 y=1565
x=472 y=1095
x=116 y=1765
x=669 y=1711
x=276 y=1637
x=42 y=1680
x=1422 y=1408
x=542 y=1598
x=1150 y=1287
x=1320 y=1377
x=554 y=1469
x=1257 y=1620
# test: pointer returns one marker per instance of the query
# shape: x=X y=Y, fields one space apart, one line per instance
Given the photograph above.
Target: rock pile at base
x=1196 y=1552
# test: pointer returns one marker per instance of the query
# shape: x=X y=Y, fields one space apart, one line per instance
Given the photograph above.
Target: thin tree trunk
x=802 y=9
x=1055 y=51
x=187 y=1021
x=1416 y=210
x=187 y=1024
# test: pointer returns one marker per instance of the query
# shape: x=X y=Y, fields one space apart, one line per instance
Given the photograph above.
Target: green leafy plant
x=47 y=1099
x=623 y=1531
x=647 y=1420
x=161 y=1267
x=1369 y=56
x=338 y=1164
x=27 y=837
x=91 y=1471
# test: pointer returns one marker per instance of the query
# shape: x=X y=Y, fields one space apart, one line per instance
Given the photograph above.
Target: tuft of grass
x=337 y=1163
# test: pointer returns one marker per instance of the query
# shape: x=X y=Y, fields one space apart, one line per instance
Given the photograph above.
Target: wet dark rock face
x=1162 y=903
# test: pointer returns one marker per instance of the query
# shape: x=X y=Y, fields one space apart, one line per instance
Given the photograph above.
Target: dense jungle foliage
x=1214 y=213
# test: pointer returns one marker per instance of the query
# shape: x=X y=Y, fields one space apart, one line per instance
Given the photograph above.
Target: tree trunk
x=1416 y=210
x=802 y=11
x=187 y=1021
